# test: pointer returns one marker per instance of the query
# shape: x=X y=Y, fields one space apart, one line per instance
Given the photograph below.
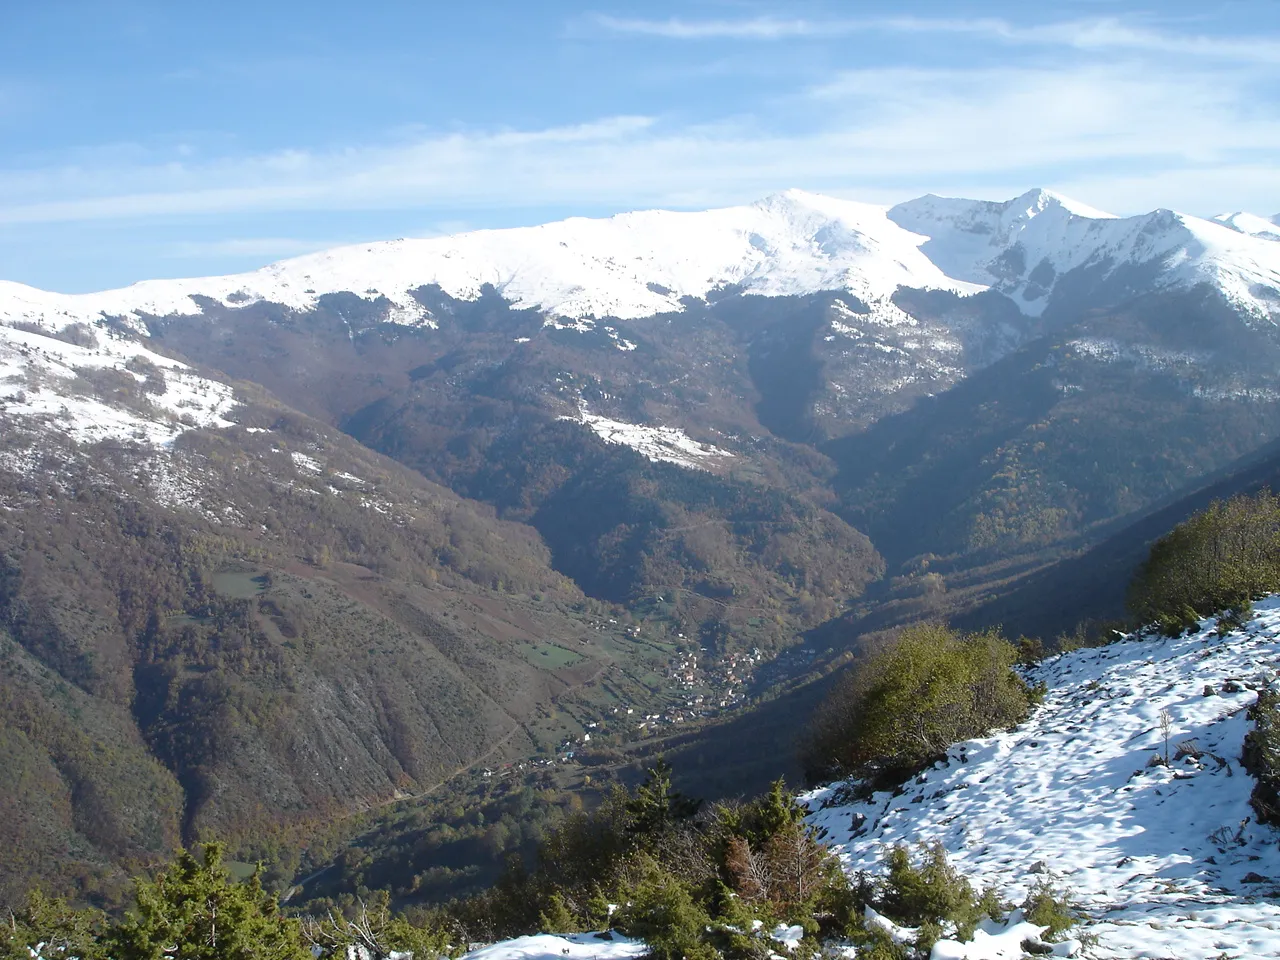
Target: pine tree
x=656 y=804
x=195 y=911
x=556 y=917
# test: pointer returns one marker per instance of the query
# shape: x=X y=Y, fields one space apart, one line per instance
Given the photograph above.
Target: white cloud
x=1101 y=34
x=756 y=28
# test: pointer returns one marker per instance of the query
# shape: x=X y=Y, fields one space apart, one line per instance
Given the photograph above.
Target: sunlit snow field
x=1165 y=861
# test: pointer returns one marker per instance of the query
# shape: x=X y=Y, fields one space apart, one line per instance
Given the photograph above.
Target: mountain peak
x=1039 y=199
x=795 y=201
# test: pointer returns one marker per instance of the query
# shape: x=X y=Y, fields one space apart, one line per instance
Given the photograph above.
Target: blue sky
x=146 y=139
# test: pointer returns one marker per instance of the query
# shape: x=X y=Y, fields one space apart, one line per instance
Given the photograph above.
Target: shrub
x=879 y=946
x=371 y=930
x=556 y=917
x=930 y=896
x=1262 y=756
x=662 y=911
x=691 y=882
x=196 y=911
x=1045 y=908
x=1220 y=559
x=900 y=709
x=773 y=860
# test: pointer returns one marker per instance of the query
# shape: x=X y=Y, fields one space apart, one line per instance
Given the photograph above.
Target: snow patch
x=668 y=444
x=304 y=462
x=49 y=380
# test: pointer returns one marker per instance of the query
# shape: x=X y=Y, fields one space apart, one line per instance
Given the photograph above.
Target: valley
x=459 y=532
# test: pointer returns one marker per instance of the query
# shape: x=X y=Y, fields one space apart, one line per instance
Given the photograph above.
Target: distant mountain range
x=638 y=264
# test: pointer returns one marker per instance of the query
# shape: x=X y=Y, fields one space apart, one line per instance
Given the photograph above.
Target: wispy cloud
x=1101 y=34
x=254 y=247
x=755 y=28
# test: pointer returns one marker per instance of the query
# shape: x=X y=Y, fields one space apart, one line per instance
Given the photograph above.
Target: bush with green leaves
x=667 y=915
x=901 y=708
x=194 y=911
x=931 y=896
x=1045 y=907
x=1218 y=560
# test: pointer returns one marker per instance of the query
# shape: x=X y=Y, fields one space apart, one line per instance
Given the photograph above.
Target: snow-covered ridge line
x=1165 y=860
x=1256 y=226
x=626 y=266
x=639 y=264
x=1025 y=246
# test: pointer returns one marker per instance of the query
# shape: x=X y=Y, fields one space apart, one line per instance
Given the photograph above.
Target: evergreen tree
x=195 y=911
x=657 y=805
x=556 y=917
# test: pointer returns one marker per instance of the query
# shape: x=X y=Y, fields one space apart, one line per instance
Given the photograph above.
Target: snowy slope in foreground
x=627 y=266
x=1157 y=856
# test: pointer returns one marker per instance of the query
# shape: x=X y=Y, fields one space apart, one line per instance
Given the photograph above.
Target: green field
x=549 y=656
x=239 y=584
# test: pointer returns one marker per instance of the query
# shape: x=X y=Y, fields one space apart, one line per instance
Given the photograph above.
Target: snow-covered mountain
x=627 y=266
x=1267 y=228
x=638 y=264
x=489 y=336
x=1165 y=860
x=1031 y=247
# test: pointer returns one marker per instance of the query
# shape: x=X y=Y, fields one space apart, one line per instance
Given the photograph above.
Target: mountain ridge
x=640 y=263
